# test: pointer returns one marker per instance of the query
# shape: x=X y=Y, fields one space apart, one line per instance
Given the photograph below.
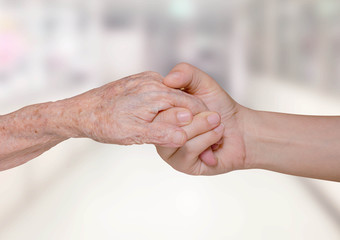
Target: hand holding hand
x=227 y=155
x=122 y=112
x=204 y=130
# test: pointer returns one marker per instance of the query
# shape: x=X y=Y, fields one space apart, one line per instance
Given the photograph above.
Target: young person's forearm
x=30 y=131
x=300 y=145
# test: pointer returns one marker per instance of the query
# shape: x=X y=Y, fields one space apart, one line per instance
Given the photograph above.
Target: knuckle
x=151 y=86
x=160 y=97
x=206 y=122
x=155 y=103
x=145 y=86
x=153 y=75
x=156 y=136
x=147 y=76
x=206 y=125
x=203 y=121
x=168 y=116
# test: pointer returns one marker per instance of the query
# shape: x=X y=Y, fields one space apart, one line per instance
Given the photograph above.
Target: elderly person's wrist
x=71 y=118
x=58 y=119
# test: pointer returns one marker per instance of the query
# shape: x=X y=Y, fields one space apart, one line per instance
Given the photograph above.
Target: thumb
x=165 y=135
x=192 y=79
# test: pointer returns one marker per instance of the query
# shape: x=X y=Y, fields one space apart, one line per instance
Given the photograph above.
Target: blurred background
x=268 y=54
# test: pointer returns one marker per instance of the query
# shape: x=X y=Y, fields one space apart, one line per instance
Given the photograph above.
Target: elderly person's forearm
x=30 y=131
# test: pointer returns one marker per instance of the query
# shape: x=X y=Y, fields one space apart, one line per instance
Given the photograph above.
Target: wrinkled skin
x=122 y=112
x=230 y=153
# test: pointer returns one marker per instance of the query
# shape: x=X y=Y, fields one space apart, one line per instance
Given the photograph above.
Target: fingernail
x=214 y=146
x=184 y=117
x=217 y=145
x=213 y=119
x=219 y=128
x=178 y=138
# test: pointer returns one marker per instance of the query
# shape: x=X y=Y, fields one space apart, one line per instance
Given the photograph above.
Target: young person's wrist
x=252 y=130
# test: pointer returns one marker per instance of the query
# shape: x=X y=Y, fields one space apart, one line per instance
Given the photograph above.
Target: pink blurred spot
x=11 y=50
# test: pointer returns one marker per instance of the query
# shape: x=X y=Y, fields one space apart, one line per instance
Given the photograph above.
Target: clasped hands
x=195 y=125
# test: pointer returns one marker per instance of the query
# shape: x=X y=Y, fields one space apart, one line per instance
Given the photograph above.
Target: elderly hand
x=122 y=112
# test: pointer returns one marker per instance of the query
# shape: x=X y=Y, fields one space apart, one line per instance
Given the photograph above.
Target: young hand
x=204 y=130
x=230 y=154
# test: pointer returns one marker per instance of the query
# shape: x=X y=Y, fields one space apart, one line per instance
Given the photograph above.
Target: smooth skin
x=121 y=112
x=307 y=146
x=204 y=130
